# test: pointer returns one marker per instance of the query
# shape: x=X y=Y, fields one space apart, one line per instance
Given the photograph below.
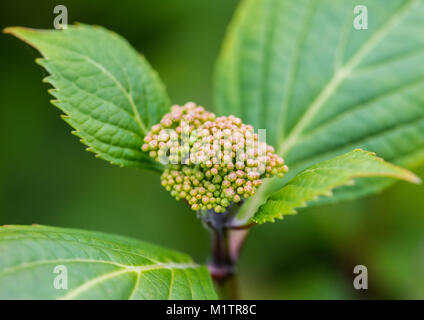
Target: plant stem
x=227 y=241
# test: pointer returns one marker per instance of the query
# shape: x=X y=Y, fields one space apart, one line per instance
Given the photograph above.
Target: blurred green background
x=46 y=177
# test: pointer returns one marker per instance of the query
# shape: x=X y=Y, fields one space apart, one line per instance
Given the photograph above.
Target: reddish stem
x=227 y=241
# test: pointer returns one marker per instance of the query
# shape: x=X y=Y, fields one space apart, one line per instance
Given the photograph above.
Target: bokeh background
x=46 y=177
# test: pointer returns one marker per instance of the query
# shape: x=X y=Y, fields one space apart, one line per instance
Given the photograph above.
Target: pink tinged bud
x=239 y=182
x=229 y=192
x=190 y=105
x=232 y=176
x=156 y=128
x=257 y=183
x=227 y=132
x=153 y=143
x=251 y=175
x=163 y=136
x=270 y=149
x=240 y=165
x=205 y=200
x=145 y=147
x=230 y=166
x=166 y=122
x=250 y=162
x=240 y=173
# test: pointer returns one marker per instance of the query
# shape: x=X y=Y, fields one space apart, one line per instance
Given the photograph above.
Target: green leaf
x=99 y=266
x=300 y=70
x=320 y=179
x=108 y=92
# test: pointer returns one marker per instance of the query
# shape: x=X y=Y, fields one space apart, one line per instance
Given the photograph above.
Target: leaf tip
x=415 y=179
x=10 y=30
x=18 y=32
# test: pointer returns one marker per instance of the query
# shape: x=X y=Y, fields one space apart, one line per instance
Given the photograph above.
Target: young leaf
x=321 y=178
x=320 y=87
x=39 y=262
x=108 y=91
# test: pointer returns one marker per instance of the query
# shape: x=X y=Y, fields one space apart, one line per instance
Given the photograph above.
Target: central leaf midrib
x=139 y=270
x=292 y=71
x=338 y=77
x=359 y=106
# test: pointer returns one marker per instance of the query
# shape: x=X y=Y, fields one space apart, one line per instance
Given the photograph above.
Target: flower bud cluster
x=214 y=161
